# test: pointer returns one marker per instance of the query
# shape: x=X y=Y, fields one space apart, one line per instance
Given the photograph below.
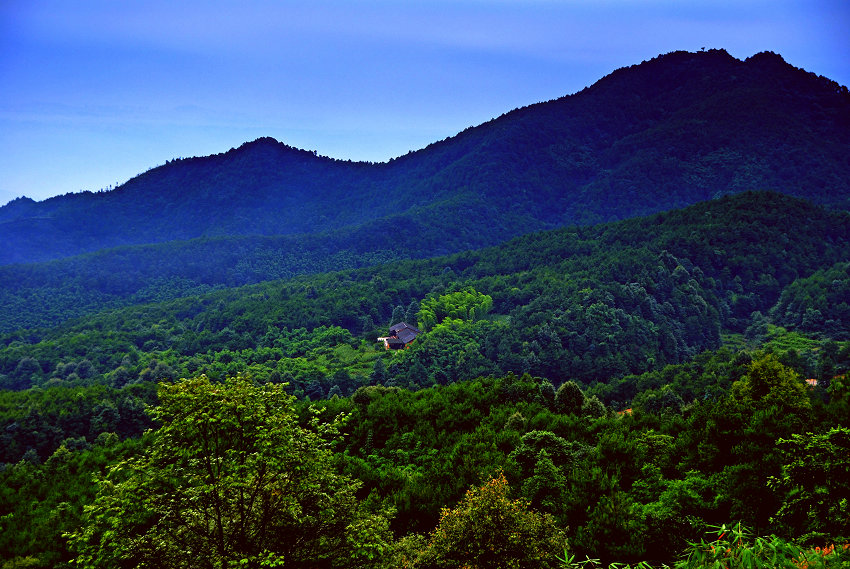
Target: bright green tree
x=488 y=530
x=466 y=305
x=770 y=383
x=229 y=479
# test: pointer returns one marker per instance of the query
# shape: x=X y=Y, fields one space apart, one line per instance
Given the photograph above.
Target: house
x=401 y=336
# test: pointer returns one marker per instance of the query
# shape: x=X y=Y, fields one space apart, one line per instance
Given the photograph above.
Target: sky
x=95 y=92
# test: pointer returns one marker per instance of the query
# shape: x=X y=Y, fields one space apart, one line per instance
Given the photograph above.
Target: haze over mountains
x=679 y=129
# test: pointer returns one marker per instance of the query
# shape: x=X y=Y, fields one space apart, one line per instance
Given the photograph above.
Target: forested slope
x=756 y=446
x=46 y=294
x=586 y=303
x=577 y=385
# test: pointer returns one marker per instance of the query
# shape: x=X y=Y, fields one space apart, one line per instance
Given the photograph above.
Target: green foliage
x=467 y=305
x=588 y=305
x=41 y=501
x=40 y=420
x=779 y=339
x=569 y=398
x=490 y=530
x=624 y=488
x=815 y=484
x=735 y=546
x=769 y=383
x=622 y=310
x=230 y=477
x=818 y=304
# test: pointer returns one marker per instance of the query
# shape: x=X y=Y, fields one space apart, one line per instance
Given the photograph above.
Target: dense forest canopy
x=620 y=388
x=585 y=303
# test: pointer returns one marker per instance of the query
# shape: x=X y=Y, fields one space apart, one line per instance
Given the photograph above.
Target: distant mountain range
x=676 y=130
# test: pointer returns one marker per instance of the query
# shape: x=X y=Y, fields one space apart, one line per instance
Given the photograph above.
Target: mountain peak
x=675 y=59
x=770 y=62
x=18 y=207
x=263 y=142
x=768 y=57
x=269 y=144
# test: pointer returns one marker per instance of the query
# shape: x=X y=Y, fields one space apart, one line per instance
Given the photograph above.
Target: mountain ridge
x=645 y=138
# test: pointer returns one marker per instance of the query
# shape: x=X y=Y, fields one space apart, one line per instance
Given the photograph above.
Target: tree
x=547 y=393
x=85 y=369
x=410 y=313
x=26 y=373
x=768 y=383
x=467 y=305
x=560 y=451
x=379 y=372
x=230 y=478
x=545 y=489
x=397 y=315
x=815 y=483
x=367 y=324
x=489 y=530
x=418 y=374
x=569 y=398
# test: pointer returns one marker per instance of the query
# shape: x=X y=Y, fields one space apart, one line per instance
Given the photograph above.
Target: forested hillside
x=615 y=389
x=679 y=129
x=585 y=303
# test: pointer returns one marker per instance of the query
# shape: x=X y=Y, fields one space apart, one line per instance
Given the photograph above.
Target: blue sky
x=93 y=92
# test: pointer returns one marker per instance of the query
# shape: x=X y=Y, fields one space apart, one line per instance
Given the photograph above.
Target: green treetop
x=467 y=304
x=230 y=478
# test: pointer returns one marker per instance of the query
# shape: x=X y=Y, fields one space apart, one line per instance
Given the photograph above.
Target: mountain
x=678 y=129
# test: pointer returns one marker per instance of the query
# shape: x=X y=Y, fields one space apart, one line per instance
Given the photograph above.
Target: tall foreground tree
x=230 y=479
x=815 y=483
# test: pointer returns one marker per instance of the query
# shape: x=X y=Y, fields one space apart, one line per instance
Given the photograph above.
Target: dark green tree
x=410 y=313
x=547 y=394
x=398 y=315
x=569 y=399
x=379 y=372
x=815 y=483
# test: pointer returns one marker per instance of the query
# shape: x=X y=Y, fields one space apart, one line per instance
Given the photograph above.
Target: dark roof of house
x=406 y=335
x=403 y=325
x=404 y=332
